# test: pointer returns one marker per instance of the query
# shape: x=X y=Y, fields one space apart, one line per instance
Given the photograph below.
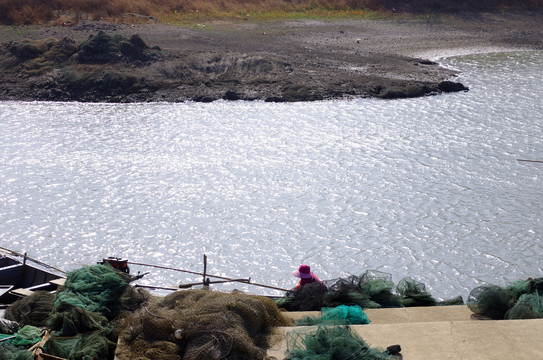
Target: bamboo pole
x=185 y=286
x=205 y=269
x=208 y=275
x=534 y=161
x=25 y=257
x=156 y=287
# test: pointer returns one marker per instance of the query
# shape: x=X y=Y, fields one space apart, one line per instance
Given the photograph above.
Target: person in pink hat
x=305 y=275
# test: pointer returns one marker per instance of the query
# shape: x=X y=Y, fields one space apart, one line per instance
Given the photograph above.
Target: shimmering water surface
x=428 y=188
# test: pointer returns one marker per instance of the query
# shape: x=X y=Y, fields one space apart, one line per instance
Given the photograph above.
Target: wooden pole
x=37 y=348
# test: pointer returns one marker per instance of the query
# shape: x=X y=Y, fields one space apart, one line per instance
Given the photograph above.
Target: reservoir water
x=429 y=188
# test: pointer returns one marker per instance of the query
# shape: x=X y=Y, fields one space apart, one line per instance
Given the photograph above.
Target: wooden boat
x=20 y=275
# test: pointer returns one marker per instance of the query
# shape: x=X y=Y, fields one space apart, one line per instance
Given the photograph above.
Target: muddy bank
x=301 y=60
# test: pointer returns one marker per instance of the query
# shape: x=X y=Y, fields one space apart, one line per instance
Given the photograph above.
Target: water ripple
x=428 y=188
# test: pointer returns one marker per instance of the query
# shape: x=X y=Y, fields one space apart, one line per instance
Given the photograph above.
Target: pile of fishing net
x=333 y=342
x=80 y=316
x=521 y=299
x=14 y=346
x=373 y=289
x=201 y=325
x=339 y=315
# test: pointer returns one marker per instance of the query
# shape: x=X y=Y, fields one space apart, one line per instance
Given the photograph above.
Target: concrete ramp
x=444 y=333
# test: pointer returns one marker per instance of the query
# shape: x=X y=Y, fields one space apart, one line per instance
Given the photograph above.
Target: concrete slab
x=419 y=314
x=454 y=340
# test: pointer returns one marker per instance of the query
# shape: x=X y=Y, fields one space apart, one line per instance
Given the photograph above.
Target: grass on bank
x=18 y=12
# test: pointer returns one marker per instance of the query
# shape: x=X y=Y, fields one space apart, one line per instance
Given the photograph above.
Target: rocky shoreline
x=283 y=61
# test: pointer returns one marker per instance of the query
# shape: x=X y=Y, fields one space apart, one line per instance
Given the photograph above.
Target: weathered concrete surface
x=446 y=333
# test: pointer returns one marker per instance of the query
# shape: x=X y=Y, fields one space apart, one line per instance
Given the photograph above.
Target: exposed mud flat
x=301 y=60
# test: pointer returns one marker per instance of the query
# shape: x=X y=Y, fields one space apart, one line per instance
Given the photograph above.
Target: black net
x=307 y=298
x=31 y=310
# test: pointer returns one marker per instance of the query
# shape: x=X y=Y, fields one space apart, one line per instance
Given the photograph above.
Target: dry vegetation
x=58 y=11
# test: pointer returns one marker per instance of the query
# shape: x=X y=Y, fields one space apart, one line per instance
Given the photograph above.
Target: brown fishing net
x=200 y=324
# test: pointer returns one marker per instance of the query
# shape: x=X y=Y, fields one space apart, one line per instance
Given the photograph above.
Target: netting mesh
x=96 y=307
x=80 y=321
x=517 y=300
x=490 y=300
x=31 y=310
x=330 y=342
x=528 y=306
x=414 y=293
x=373 y=289
x=16 y=348
x=339 y=315
x=199 y=324
x=79 y=315
x=95 y=288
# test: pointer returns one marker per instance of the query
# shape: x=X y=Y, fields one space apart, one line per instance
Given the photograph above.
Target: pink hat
x=304 y=272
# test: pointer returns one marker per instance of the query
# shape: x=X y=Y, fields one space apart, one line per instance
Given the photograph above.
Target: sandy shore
x=296 y=60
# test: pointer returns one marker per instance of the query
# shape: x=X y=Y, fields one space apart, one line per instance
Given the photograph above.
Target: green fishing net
x=27 y=336
x=341 y=314
x=12 y=352
x=88 y=346
x=95 y=288
x=348 y=291
x=16 y=348
x=329 y=343
x=81 y=315
x=80 y=321
x=528 y=306
x=491 y=301
x=379 y=286
x=520 y=299
x=414 y=293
